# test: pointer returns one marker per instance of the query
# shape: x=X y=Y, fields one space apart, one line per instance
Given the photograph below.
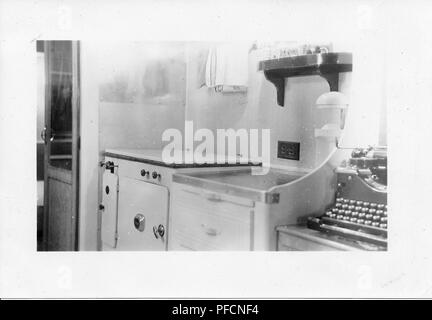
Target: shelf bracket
x=332 y=79
x=279 y=83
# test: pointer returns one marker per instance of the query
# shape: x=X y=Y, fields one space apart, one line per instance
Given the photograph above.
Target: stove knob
x=156 y=175
x=144 y=172
x=139 y=222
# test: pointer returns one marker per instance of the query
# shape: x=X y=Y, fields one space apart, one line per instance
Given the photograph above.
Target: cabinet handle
x=210 y=231
x=212 y=196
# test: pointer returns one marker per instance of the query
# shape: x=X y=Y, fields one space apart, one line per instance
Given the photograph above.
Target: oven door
x=142 y=216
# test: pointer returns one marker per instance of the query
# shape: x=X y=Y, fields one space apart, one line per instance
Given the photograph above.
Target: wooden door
x=61 y=136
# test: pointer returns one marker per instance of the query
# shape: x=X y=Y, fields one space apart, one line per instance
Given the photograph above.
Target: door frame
x=61 y=174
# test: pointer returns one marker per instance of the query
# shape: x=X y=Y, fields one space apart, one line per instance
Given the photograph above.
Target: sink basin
x=245 y=179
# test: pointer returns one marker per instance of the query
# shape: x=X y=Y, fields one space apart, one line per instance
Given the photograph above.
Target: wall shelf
x=326 y=65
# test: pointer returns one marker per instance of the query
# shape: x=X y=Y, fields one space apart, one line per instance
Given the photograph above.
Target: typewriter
x=359 y=212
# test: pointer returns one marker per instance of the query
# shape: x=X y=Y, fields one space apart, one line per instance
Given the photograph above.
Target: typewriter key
x=376 y=218
x=368 y=222
x=353 y=219
x=375 y=224
x=384 y=219
x=365 y=204
x=380 y=206
x=361 y=215
x=352 y=202
x=373 y=205
x=359 y=203
x=361 y=221
x=354 y=214
x=372 y=211
x=383 y=225
x=339 y=216
x=368 y=216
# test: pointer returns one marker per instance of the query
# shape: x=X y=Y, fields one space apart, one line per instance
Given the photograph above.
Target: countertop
x=240 y=182
x=154 y=156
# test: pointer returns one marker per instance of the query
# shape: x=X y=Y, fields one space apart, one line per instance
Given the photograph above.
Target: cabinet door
x=142 y=215
x=109 y=212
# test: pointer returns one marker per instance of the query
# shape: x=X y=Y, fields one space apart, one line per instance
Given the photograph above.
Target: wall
x=258 y=109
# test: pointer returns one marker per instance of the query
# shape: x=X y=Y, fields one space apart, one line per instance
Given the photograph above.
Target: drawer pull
x=210 y=231
x=212 y=196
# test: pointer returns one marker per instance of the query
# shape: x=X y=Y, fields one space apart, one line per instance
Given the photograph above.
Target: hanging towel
x=227 y=67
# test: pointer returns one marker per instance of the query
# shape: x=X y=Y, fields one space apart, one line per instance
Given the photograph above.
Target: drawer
x=134 y=170
x=201 y=220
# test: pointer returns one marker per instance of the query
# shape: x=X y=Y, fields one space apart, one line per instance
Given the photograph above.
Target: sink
x=245 y=179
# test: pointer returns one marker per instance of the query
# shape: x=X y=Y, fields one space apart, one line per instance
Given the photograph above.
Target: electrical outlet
x=288 y=150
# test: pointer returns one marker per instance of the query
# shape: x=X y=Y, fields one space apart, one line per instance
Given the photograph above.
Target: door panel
x=60 y=237
x=145 y=201
x=61 y=138
x=109 y=212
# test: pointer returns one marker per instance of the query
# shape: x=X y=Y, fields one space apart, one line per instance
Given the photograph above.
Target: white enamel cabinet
x=134 y=208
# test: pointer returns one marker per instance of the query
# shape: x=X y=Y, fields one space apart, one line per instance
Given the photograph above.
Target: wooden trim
x=75 y=141
x=47 y=124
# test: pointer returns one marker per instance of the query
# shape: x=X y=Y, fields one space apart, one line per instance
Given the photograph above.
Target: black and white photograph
x=262 y=149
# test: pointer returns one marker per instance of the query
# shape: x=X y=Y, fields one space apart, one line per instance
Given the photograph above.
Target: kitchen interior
x=103 y=183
